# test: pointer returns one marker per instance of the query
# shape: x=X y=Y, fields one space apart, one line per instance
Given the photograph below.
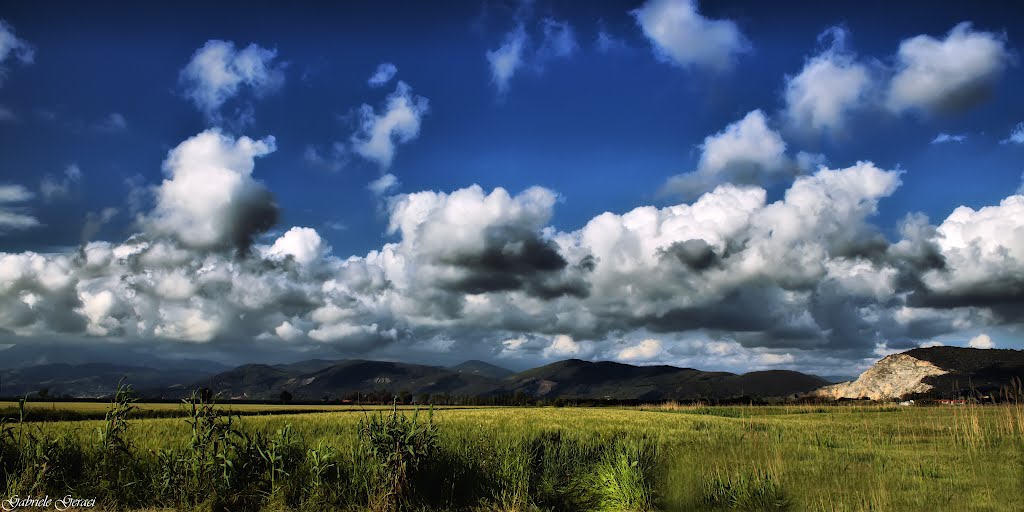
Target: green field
x=73 y=411
x=827 y=458
x=102 y=407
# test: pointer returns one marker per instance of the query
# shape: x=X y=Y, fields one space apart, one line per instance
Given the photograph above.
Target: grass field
x=102 y=407
x=74 y=411
x=827 y=458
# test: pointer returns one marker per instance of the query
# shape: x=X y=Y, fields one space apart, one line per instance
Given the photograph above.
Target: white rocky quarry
x=893 y=377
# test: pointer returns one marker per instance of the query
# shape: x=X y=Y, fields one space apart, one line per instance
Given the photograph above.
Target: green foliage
x=10 y=454
x=623 y=478
x=222 y=465
x=399 y=446
x=283 y=456
x=48 y=465
x=116 y=472
x=322 y=469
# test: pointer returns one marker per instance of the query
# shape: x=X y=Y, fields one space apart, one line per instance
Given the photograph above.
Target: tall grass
x=753 y=490
x=623 y=479
x=399 y=447
x=531 y=459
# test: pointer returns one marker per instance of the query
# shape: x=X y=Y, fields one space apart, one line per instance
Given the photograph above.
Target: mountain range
x=319 y=379
x=935 y=371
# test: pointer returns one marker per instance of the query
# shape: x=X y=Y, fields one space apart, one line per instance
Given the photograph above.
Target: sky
x=722 y=185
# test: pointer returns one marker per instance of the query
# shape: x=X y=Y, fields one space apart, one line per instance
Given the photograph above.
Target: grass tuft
x=751 y=490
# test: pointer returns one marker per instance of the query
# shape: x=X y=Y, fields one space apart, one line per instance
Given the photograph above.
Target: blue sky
x=607 y=107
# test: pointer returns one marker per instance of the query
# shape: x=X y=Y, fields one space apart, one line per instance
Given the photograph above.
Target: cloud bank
x=730 y=279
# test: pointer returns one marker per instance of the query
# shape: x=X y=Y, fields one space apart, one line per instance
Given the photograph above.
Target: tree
x=43 y=393
x=285 y=396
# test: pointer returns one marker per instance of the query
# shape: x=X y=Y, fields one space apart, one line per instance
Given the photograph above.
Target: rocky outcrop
x=893 y=377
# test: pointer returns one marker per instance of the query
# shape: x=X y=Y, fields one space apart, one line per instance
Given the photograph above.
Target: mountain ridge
x=571 y=379
x=921 y=372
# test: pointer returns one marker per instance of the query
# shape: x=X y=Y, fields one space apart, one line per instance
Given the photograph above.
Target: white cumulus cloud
x=682 y=36
x=219 y=72
x=830 y=86
x=730 y=280
x=304 y=245
x=210 y=198
x=745 y=152
x=981 y=341
x=645 y=351
x=398 y=122
x=563 y=346
x=949 y=74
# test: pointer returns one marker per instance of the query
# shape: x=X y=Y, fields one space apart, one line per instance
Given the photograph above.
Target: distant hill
x=313 y=380
x=572 y=379
x=483 y=369
x=984 y=371
x=91 y=379
x=938 y=372
x=317 y=378
x=616 y=381
x=308 y=366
